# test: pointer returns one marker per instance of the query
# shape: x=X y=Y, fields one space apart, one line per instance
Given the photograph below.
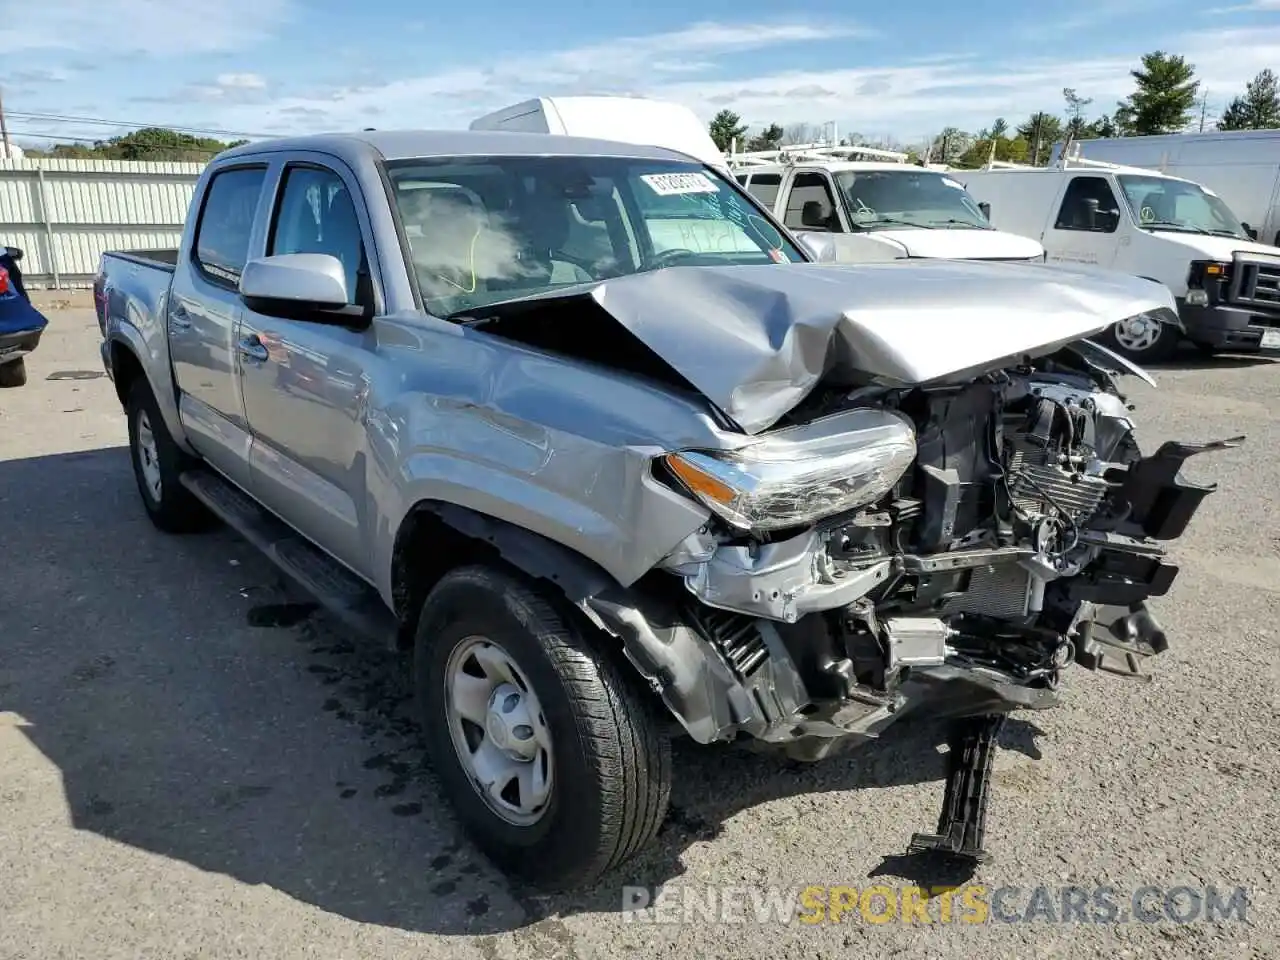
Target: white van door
x=1088 y=224
x=1271 y=228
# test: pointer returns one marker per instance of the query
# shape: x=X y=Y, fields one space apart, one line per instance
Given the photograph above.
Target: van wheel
x=157 y=463
x=555 y=764
x=14 y=373
x=1142 y=339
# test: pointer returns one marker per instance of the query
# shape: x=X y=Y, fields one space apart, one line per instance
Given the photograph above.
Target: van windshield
x=1159 y=203
x=485 y=229
x=910 y=197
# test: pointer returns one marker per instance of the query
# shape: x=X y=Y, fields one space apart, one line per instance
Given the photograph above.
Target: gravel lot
x=193 y=765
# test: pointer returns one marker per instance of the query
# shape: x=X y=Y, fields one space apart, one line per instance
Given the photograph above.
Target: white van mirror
x=820 y=246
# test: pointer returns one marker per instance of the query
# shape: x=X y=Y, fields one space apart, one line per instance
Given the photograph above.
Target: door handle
x=179 y=317
x=251 y=348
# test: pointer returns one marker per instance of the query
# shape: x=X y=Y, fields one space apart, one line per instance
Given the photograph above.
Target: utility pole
x=4 y=131
x=1204 y=109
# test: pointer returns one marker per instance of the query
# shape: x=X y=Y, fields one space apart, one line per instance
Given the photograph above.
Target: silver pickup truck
x=583 y=426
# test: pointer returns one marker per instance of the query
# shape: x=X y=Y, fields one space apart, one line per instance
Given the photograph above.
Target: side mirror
x=814 y=214
x=1251 y=231
x=13 y=253
x=300 y=286
x=820 y=246
x=985 y=208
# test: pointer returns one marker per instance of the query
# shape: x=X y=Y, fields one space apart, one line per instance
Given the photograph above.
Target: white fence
x=64 y=213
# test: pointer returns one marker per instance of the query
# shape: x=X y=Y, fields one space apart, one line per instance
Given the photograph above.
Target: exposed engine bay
x=1024 y=535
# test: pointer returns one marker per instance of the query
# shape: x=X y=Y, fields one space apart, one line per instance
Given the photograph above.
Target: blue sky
x=904 y=70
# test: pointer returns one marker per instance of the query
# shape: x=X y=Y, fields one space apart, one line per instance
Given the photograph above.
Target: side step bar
x=336 y=588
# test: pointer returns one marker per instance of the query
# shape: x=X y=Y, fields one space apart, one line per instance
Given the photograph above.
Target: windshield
x=880 y=199
x=1159 y=203
x=486 y=229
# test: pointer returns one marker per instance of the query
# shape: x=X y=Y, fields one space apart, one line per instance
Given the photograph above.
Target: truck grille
x=1259 y=284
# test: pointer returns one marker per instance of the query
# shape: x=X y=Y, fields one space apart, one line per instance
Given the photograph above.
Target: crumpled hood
x=755 y=340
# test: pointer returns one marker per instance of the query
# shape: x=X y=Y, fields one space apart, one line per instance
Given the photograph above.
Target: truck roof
x=407 y=144
x=834 y=166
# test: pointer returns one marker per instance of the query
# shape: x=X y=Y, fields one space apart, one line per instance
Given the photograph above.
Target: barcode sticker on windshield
x=677 y=184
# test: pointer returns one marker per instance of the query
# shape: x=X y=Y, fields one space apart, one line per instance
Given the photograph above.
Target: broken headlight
x=801 y=474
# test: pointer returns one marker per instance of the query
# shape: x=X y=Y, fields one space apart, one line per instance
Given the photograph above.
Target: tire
x=157 y=465
x=14 y=373
x=1158 y=350
x=609 y=761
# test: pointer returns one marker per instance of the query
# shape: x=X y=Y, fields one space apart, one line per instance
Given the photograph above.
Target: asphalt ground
x=195 y=763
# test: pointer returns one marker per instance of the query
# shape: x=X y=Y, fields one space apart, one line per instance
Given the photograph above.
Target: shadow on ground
x=196 y=710
x=1190 y=357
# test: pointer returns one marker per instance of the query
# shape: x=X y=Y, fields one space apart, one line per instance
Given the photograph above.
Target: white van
x=1240 y=166
x=638 y=120
x=881 y=208
x=1149 y=224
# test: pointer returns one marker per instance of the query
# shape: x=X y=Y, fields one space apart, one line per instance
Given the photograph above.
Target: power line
x=100 y=121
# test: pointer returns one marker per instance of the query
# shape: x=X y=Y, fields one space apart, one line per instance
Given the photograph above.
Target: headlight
x=801 y=474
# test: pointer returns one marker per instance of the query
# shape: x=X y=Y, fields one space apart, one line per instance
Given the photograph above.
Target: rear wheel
x=553 y=761
x=1143 y=339
x=13 y=373
x=157 y=465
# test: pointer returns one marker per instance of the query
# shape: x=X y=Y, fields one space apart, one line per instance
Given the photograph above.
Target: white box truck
x=638 y=120
x=1240 y=166
x=1142 y=222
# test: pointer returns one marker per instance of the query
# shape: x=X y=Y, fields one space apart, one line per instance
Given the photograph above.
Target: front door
x=203 y=314
x=1087 y=227
x=304 y=383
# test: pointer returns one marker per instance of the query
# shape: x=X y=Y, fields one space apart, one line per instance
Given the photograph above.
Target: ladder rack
x=794 y=153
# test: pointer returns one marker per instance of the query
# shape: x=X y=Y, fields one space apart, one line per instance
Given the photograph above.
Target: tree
x=1258 y=109
x=767 y=139
x=1077 y=128
x=726 y=126
x=1007 y=151
x=1104 y=126
x=799 y=133
x=950 y=145
x=148 y=143
x=1165 y=97
x=1041 y=131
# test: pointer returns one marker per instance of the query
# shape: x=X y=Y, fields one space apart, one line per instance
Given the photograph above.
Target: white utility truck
x=1143 y=222
x=1240 y=166
x=875 y=205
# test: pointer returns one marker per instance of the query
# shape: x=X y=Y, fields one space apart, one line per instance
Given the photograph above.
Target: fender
x=127 y=337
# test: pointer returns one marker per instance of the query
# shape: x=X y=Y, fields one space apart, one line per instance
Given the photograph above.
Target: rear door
x=1079 y=232
x=204 y=311
x=304 y=382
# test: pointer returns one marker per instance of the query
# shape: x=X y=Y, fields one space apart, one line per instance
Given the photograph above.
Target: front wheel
x=553 y=761
x=1142 y=339
x=13 y=373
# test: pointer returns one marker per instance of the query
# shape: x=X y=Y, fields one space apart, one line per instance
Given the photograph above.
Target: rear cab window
x=764 y=187
x=225 y=228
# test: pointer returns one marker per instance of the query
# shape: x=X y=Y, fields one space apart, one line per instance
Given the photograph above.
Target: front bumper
x=1230 y=328
x=17 y=344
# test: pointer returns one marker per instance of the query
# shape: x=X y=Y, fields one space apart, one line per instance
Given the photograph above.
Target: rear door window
x=226 y=222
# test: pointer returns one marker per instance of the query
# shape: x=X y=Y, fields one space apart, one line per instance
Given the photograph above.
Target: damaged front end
x=928 y=514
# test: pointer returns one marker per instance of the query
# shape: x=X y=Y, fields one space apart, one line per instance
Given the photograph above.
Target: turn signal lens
x=4 y=281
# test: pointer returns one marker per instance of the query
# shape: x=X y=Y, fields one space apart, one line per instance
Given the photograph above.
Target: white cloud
x=241 y=81
x=912 y=99
x=162 y=28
